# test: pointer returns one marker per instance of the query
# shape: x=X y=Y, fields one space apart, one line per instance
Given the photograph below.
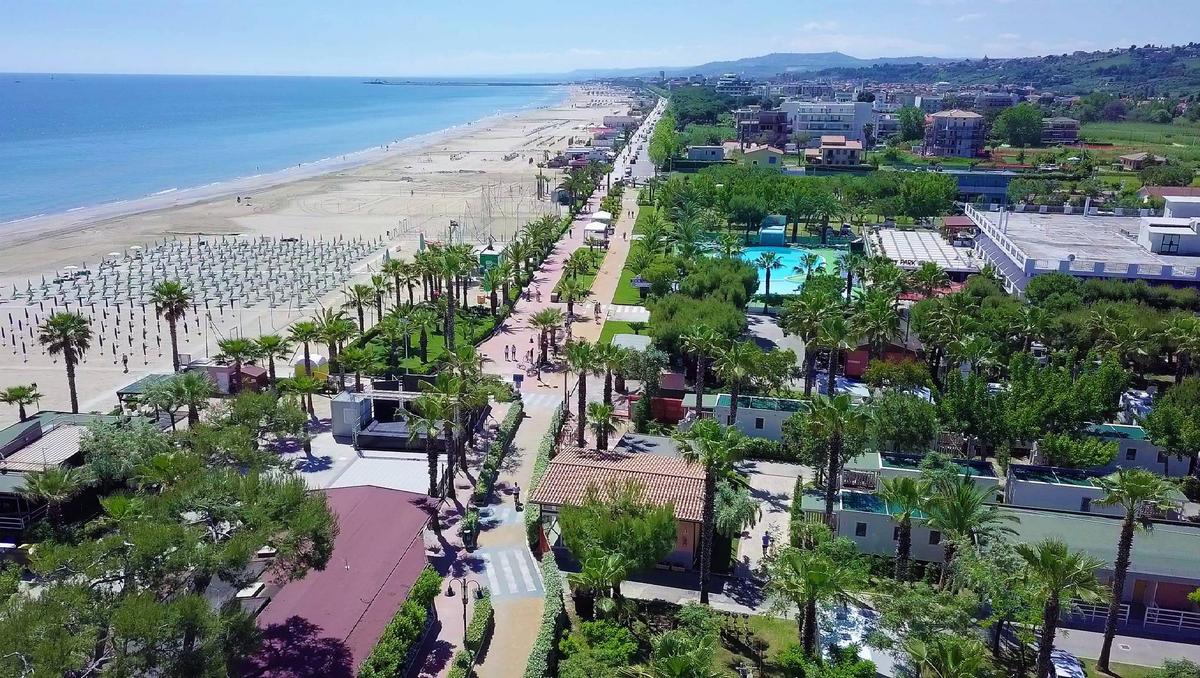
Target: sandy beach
x=389 y=195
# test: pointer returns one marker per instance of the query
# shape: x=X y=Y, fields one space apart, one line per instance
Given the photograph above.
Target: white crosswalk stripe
x=511 y=572
x=620 y=307
x=542 y=401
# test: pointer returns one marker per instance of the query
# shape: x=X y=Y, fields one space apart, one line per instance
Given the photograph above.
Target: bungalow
x=1134 y=162
x=665 y=479
x=711 y=153
x=762 y=156
x=757 y=416
x=835 y=151
x=1135 y=450
x=868 y=470
x=1065 y=489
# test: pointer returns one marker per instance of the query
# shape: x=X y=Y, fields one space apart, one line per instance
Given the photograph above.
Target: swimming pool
x=786 y=280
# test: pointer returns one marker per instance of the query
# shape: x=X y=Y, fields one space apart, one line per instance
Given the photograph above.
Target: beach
x=482 y=176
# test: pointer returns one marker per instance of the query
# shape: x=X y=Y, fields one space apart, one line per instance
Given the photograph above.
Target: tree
x=734 y=510
x=806 y=579
x=834 y=335
x=903 y=497
x=22 y=397
x=947 y=656
x=963 y=513
x=903 y=422
x=768 y=261
x=1059 y=574
x=431 y=413
x=677 y=654
x=493 y=280
x=601 y=418
x=1174 y=422
x=617 y=519
x=546 y=321
x=1137 y=492
x=715 y=448
x=927 y=194
x=876 y=320
x=1076 y=452
x=360 y=297
x=833 y=420
x=305 y=333
x=581 y=361
x=912 y=123
x=572 y=290
x=55 y=486
x=171 y=300
x=237 y=350
x=610 y=359
x=69 y=335
x=272 y=346
x=360 y=360
x=1019 y=125
x=736 y=363
x=424 y=320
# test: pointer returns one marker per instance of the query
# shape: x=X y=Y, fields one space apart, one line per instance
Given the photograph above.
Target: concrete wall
x=748 y=421
x=1034 y=494
x=880 y=528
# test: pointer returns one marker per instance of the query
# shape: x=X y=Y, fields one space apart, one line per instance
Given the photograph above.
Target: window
x=896 y=533
x=758 y=423
x=1162 y=457
x=1130 y=453
x=935 y=537
x=860 y=529
x=1170 y=244
x=771 y=160
x=1085 y=504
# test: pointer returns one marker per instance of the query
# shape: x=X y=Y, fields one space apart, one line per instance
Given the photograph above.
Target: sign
x=517 y=379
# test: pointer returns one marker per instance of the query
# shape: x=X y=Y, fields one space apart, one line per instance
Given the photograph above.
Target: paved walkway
x=609 y=275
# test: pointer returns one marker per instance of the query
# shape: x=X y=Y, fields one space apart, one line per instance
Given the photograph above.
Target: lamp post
x=464 y=585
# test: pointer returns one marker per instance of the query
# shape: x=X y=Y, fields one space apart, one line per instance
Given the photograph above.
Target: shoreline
x=22 y=230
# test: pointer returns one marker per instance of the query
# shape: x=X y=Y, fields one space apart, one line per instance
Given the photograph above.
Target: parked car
x=1066 y=665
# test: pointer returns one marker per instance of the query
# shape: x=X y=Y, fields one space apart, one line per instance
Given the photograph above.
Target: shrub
x=533 y=514
x=542 y=656
x=793 y=663
x=390 y=655
x=482 y=623
x=609 y=644
x=762 y=448
x=1177 y=668
x=495 y=455
x=462 y=667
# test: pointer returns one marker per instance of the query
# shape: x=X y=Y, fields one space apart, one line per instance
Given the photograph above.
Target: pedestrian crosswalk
x=626 y=313
x=541 y=401
x=511 y=572
x=499 y=514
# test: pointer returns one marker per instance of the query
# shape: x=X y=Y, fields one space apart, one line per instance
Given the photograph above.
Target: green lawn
x=586 y=279
x=1181 y=142
x=1122 y=670
x=626 y=294
x=437 y=344
x=777 y=634
x=644 y=213
x=614 y=327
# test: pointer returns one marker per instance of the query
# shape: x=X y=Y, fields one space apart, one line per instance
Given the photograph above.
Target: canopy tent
x=602 y=216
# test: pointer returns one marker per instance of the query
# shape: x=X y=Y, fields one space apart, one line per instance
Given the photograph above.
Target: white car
x=1066 y=665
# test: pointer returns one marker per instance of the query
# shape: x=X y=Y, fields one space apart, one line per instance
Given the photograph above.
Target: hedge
x=533 y=513
x=495 y=454
x=543 y=656
x=482 y=623
x=391 y=654
x=462 y=667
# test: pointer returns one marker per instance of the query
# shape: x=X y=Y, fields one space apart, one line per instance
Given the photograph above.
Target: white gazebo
x=596 y=232
x=602 y=216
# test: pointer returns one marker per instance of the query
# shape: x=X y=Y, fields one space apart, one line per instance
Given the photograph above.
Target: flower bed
x=393 y=653
x=543 y=657
x=545 y=450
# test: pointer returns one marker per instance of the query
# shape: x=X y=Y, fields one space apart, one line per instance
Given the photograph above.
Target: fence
x=1175 y=618
x=1095 y=611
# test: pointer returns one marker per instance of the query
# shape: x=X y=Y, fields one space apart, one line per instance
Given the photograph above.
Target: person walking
x=506 y=353
x=517 y=495
x=766 y=543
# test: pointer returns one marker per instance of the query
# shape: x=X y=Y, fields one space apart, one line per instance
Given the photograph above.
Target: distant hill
x=764 y=66
x=1145 y=71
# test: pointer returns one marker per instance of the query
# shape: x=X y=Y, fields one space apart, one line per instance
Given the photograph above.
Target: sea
x=73 y=141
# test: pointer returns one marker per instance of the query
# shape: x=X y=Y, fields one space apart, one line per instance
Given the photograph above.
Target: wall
x=1054 y=496
x=878 y=539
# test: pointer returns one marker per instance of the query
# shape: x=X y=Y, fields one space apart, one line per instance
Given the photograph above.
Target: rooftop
x=762 y=403
x=1055 y=475
x=1117 y=431
x=972 y=467
x=665 y=479
x=955 y=113
x=909 y=249
x=1171 y=191
x=847 y=500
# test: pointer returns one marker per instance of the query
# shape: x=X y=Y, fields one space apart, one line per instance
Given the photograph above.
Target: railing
x=1081 y=610
x=1179 y=619
x=992 y=230
x=819 y=517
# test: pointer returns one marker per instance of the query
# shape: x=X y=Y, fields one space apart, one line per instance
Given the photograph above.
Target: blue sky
x=468 y=37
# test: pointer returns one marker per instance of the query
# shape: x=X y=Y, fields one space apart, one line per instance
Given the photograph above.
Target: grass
x=586 y=279
x=1122 y=670
x=437 y=344
x=1180 y=142
x=770 y=633
x=626 y=294
x=614 y=327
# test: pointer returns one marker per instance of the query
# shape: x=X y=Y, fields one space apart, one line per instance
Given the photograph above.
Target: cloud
x=820 y=26
x=972 y=16
x=1009 y=36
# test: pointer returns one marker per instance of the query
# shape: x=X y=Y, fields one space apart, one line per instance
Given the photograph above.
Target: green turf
x=1180 y=142
x=1121 y=670
x=614 y=327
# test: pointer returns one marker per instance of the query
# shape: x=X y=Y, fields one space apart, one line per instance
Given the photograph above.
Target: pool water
x=787 y=280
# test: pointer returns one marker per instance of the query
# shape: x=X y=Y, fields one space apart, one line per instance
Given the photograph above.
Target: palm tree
x=768 y=261
x=546 y=321
x=581 y=360
x=716 y=448
x=305 y=333
x=875 y=320
x=424 y=321
x=69 y=334
x=1057 y=573
x=962 y=512
x=193 y=391
x=504 y=273
x=851 y=264
x=903 y=498
x=928 y=278
x=360 y=297
x=834 y=335
x=835 y=420
x=55 y=486
x=381 y=284
x=677 y=654
x=272 y=346
x=808 y=578
x=609 y=359
x=802 y=317
x=1182 y=334
x=171 y=300
x=359 y=360
x=21 y=396
x=572 y=290
x=330 y=324
x=237 y=350
x=736 y=363
x=305 y=387
x=734 y=510
x=1138 y=492
x=603 y=422
x=597 y=584
x=431 y=414
x=947 y=656
x=395 y=269
x=728 y=245
x=702 y=342
x=492 y=280
x=162 y=399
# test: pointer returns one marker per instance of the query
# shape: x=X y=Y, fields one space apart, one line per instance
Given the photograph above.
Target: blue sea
x=72 y=141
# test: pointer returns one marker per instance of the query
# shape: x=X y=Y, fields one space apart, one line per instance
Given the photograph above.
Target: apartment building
x=1060 y=130
x=955 y=133
x=823 y=118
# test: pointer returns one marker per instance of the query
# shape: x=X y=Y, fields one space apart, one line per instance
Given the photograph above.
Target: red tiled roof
x=1171 y=191
x=958 y=221
x=343 y=609
x=665 y=479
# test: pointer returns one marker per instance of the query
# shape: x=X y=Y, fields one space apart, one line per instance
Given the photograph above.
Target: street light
x=465 y=587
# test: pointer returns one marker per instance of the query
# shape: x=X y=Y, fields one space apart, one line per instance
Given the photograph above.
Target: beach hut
x=320 y=366
x=489 y=256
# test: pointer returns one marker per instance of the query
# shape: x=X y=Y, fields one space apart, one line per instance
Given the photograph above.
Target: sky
x=468 y=37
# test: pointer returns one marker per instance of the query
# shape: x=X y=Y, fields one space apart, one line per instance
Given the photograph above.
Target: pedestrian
x=517 y=494
x=125 y=362
x=506 y=353
x=766 y=542
x=514 y=352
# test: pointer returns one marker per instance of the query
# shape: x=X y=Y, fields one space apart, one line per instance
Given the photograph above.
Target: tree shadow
x=296 y=649
x=313 y=464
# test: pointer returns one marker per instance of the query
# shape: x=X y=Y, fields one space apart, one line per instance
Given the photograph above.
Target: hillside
x=1146 y=71
x=764 y=66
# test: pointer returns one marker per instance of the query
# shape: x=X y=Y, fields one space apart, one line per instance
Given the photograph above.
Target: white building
x=758 y=417
x=1062 y=489
x=730 y=84
x=863 y=518
x=621 y=121
x=867 y=471
x=1134 y=450
x=706 y=152
x=822 y=118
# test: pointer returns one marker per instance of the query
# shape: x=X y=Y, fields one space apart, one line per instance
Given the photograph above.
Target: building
x=886 y=125
x=664 y=476
x=1065 y=489
x=621 y=121
x=753 y=122
x=929 y=103
x=835 y=151
x=1134 y=162
x=709 y=153
x=1060 y=130
x=762 y=156
x=867 y=471
x=956 y=133
x=910 y=249
x=1164 y=567
x=815 y=119
x=990 y=186
x=1164 y=192
x=758 y=417
x=992 y=102
x=1135 y=450
x=730 y=84
x=1022 y=245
